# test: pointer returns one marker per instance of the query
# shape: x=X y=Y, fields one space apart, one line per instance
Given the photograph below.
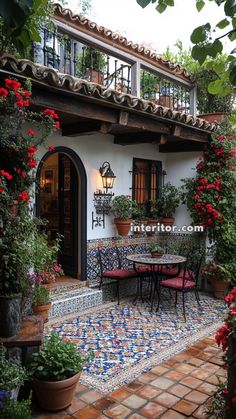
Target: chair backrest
x=108 y=259
x=193 y=265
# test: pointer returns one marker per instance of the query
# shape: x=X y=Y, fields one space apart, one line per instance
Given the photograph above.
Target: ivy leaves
x=206 y=44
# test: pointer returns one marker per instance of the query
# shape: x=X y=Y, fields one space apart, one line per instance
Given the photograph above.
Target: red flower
x=32 y=150
x=57 y=124
x=12 y=84
x=3 y=92
x=51 y=148
x=24 y=196
x=26 y=93
x=225 y=391
x=1 y=189
x=6 y=174
x=24 y=174
x=31 y=132
x=50 y=112
x=32 y=162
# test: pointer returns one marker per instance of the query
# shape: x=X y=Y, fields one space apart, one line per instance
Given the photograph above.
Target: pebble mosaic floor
x=127 y=340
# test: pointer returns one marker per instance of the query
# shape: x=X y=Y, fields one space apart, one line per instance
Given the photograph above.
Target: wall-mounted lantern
x=102 y=199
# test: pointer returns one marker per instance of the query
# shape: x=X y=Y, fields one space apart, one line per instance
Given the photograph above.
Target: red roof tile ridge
x=66 y=13
x=75 y=85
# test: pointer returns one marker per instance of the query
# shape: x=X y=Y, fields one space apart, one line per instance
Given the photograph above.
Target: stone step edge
x=75 y=296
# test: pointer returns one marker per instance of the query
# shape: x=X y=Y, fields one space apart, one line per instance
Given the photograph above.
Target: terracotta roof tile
x=85 y=24
x=75 y=85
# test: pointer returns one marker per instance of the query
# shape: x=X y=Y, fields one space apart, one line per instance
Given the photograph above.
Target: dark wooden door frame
x=82 y=198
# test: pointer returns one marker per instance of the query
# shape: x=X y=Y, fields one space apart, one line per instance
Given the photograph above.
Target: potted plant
x=12 y=376
x=167 y=204
x=156 y=250
x=91 y=65
x=41 y=302
x=139 y=219
x=15 y=409
x=122 y=209
x=218 y=276
x=55 y=371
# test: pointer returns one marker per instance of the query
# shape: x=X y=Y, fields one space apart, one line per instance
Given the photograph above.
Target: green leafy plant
x=122 y=207
x=154 y=208
x=57 y=360
x=12 y=374
x=207 y=43
x=40 y=296
x=91 y=59
x=168 y=201
x=155 y=248
x=16 y=409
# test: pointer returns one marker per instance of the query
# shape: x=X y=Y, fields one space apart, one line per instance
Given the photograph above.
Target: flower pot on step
x=42 y=311
x=55 y=395
x=123 y=226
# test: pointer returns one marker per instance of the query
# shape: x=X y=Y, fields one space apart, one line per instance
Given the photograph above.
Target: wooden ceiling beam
x=80 y=128
x=181 y=146
x=189 y=134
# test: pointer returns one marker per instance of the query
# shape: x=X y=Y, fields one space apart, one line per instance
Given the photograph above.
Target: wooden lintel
x=70 y=105
x=190 y=134
x=123 y=118
x=181 y=146
x=80 y=128
x=146 y=124
x=136 y=138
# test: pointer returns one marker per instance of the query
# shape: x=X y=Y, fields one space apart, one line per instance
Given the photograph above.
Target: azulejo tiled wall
x=172 y=243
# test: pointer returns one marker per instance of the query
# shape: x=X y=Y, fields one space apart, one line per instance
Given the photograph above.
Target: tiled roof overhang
x=68 y=83
x=85 y=25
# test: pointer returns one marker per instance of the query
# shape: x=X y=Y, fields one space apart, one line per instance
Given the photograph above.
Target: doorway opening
x=61 y=201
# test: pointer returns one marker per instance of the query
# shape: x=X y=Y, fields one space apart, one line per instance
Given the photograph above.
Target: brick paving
x=178 y=388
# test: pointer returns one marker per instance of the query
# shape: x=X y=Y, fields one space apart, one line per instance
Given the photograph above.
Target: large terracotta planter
x=167 y=221
x=42 y=311
x=212 y=117
x=55 y=395
x=219 y=288
x=123 y=226
x=10 y=315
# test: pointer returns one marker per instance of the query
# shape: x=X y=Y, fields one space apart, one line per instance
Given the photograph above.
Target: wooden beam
x=146 y=124
x=105 y=128
x=136 y=138
x=190 y=134
x=123 y=118
x=71 y=105
x=80 y=128
x=181 y=146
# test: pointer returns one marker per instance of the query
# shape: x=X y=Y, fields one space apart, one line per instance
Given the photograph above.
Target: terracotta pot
x=212 y=117
x=95 y=76
x=156 y=254
x=139 y=230
x=55 y=395
x=167 y=221
x=42 y=311
x=219 y=287
x=13 y=209
x=167 y=101
x=123 y=226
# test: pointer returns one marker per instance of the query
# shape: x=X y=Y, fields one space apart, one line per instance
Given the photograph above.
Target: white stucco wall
x=180 y=166
x=94 y=149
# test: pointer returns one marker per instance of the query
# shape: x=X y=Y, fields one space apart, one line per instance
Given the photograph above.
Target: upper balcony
x=90 y=52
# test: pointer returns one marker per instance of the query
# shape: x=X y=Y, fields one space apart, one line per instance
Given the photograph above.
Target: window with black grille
x=147 y=178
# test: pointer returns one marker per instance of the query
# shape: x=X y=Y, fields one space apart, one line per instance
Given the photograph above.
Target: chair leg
x=141 y=288
x=176 y=298
x=118 y=292
x=184 y=307
x=197 y=296
x=100 y=283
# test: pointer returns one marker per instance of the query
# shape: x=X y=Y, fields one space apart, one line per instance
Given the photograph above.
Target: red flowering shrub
x=211 y=194
x=20 y=131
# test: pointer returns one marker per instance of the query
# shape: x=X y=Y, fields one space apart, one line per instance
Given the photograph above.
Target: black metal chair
x=187 y=280
x=110 y=268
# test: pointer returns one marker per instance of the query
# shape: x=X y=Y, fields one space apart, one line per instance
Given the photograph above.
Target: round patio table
x=155 y=267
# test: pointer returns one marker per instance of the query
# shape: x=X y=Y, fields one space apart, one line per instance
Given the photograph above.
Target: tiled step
x=69 y=301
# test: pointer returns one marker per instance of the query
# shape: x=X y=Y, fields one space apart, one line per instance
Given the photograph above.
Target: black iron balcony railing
x=73 y=56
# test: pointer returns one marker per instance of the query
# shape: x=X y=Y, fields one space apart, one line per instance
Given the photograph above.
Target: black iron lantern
x=107 y=175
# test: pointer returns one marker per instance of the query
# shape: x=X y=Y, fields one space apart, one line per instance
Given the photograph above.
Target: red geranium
x=24 y=196
x=51 y=112
x=3 y=92
x=31 y=132
x=12 y=84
